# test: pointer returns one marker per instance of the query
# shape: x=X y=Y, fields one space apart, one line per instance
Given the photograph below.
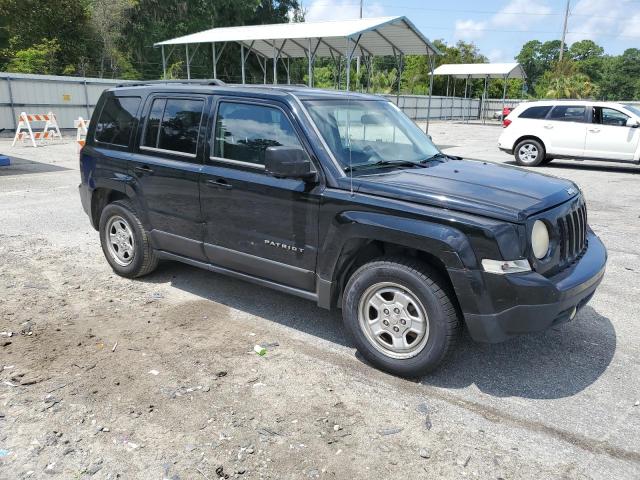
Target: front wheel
x=529 y=153
x=401 y=316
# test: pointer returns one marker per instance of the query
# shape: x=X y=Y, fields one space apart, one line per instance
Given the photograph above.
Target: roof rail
x=211 y=81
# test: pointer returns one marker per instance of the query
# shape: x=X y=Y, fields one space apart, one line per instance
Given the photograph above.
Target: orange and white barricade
x=81 y=126
x=25 y=130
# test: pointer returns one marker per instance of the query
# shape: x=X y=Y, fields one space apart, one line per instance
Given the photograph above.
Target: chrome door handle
x=144 y=170
x=548 y=127
x=219 y=183
x=594 y=130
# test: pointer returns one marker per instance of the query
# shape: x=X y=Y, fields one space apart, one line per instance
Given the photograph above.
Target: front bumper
x=506 y=150
x=497 y=307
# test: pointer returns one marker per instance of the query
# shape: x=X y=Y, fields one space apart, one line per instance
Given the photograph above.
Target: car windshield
x=370 y=133
x=633 y=108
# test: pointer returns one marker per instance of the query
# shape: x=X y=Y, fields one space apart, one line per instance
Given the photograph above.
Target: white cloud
x=320 y=10
x=520 y=14
x=515 y=15
x=591 y=19
x=497 y=56
x=469 y=29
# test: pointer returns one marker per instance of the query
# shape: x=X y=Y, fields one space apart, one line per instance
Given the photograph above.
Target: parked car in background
x=537 y=132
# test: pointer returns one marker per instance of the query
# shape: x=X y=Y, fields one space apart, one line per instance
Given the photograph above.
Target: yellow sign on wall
x=66 y=97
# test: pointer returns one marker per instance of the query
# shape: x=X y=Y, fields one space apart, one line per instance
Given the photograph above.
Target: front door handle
x=594 y=130
x=143 y=170
x=548 y=127
x=219 y=183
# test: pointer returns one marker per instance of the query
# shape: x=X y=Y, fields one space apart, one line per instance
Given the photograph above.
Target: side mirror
x=632 y=122
x=289 y=162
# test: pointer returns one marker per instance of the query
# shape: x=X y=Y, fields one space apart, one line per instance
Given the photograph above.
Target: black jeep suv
x=341 y=199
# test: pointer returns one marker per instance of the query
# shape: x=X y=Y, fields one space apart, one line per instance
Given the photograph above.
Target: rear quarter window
x=537 y=112
x=116 y=120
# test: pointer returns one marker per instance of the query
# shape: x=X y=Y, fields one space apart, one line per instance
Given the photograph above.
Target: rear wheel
x=124 y=241
x=400 y=315
x=529 y=153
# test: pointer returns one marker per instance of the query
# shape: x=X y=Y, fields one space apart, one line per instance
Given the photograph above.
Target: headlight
x=540 y=239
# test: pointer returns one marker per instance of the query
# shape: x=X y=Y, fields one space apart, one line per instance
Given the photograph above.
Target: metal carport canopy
x=378 y=36
x=481 y=70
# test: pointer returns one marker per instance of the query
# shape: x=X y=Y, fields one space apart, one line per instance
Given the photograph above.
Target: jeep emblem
x=571 y=191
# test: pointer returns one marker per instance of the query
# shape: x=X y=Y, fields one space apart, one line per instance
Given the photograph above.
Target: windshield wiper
x=383 y=163
x=437 y=156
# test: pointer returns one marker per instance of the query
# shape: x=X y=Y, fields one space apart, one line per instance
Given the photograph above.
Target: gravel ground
x=156 y=378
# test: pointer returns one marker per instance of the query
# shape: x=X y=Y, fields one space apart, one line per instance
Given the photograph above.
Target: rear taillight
x=506 y=122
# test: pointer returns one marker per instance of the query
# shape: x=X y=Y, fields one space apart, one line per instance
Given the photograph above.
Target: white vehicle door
x=565 y=129
x=609 y=137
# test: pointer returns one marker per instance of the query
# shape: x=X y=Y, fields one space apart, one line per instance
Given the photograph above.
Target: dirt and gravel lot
x=156 y=378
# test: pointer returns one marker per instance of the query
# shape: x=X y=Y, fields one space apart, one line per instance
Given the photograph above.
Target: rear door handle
x=594 y=130
x=144 y=170
x=219 y=183
x=548 y=127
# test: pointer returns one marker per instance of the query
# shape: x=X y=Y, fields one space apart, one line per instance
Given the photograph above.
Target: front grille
x=573 y=234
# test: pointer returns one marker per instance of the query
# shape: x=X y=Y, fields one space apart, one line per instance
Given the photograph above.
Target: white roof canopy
x=371 y=36
x=481 y=70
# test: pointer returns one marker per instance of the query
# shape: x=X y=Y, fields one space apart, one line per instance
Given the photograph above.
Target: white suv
x=537 y=132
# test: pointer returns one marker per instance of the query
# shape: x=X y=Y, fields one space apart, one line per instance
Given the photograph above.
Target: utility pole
x=564 y=30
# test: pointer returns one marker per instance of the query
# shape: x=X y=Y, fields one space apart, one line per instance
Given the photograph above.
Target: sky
x=501 y=27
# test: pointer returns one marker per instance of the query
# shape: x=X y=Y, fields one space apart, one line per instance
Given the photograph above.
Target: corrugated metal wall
x=73 y=97
x=67 y=97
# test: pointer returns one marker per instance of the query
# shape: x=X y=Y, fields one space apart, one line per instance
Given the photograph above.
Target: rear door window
x=537 y=112
x=116 y=120
x=173 y=125
x=568 y=113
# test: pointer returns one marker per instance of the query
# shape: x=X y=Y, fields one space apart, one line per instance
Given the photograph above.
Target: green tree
x=536 y=58
x=33 y=23
x=589 y=59
x=40 y=58
x=621 y=78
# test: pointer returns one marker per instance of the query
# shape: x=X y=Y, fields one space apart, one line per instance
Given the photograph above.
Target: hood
x=484 y=188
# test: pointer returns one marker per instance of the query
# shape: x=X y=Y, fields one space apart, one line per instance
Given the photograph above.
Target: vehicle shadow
x=22 y=166
x=282 y=308
x=553 y=364
x=581 y=165
x=557 y=363
x=628 y=168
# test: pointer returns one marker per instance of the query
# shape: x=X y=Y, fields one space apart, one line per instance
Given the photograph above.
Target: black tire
x=426 y=287
x=143 y=259
x=529 y=153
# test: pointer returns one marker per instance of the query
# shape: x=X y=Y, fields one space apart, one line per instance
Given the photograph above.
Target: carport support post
x=242 y=61
x=483 y=107
x=348 y=60
x=448 y=78
x=186 y=47
x=213 y=57
x=310 y=73
x=400 y=67
x=275 y=64
x=468 y=101
x=432 y=62
x=453 y=97
x=164 y=63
